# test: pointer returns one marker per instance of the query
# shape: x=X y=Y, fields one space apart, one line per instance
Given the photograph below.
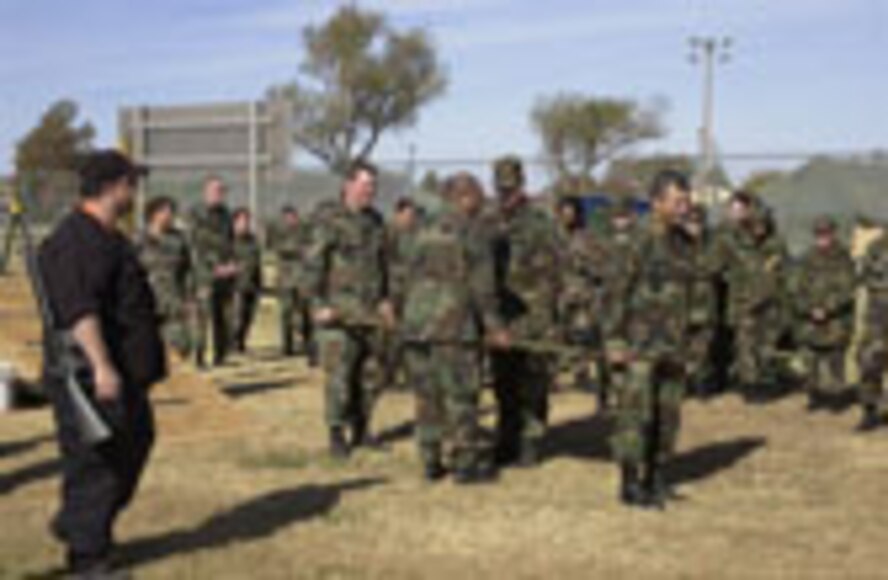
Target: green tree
x=56 y=144
x=579 y=133
x=360 y=78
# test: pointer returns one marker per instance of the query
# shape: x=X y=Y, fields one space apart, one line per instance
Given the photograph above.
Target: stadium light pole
x=708 y=51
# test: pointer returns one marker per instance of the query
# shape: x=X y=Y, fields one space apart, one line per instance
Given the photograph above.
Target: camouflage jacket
x=399 y=245
x=528 y=271
x=345 y=262
x=824 y=281
x=290 y=245
x=657 y=300
x=248 y=257
x=703 y=301
x=581 y=297
x=167 y=261
x=873 y=275
x=619 y=250
x=211 y=237
x=755 y=273
x=450 y=295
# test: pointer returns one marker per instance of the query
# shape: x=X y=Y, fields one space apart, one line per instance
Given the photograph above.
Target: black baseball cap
x=107 y=166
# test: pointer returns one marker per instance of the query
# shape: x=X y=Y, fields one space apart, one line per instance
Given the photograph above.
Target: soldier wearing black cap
x=101 y=301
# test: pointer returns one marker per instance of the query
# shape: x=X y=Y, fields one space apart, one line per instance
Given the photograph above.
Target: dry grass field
x=240 y=487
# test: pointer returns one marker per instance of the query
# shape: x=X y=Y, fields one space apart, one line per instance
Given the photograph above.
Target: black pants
x=99 y=482
x=521 y=382
x=245 y=303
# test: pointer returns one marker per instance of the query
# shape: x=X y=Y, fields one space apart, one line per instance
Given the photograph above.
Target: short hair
x=157 y=204
x=239 y=212
x=403 y=204
x=665 y=179
x=462 y=182
x=360 y=166
x=744 y=198
x=211 y=177
x=288 y=210
x=104 y=168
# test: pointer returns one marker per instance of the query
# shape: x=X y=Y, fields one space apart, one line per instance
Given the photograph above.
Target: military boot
x=530 y=454
x=338 y=445
x=656 y=486
x=631 y=491
x=870 y=420
x=475 y=474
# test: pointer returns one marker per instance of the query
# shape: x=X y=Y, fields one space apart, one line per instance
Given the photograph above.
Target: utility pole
x=708 y=51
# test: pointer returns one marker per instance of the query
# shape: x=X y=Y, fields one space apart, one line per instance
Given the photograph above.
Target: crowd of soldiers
x=508 y=294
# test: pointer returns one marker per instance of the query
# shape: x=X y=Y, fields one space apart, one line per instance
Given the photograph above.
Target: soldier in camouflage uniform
x=703 y=303
x=873 y=349
x=528 y=272
x=400 y=237
x=619 y=245
x=580 y=300
x=449 y=307
x=289 y=241
x=648 y=350
x=163 y=251
x=754 y=266
x=822 y=289
x=347 y=274
x=211 y=240
x=248 y=282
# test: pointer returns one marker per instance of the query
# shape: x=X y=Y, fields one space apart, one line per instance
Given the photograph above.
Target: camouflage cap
x=508 y=172
x=825 y=225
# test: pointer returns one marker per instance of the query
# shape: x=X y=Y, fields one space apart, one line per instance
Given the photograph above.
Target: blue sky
x=806 y=75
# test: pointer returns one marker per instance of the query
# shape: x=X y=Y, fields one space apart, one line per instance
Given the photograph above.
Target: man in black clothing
x=100 y=299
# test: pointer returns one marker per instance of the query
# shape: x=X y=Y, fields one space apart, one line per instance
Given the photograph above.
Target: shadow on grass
x=10 y=448
x=9 y=482
x=582 y=438
x=245 y=389
x=706 y=461
x=256 y=519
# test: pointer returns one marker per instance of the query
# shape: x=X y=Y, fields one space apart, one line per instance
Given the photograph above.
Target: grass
x=770 y=491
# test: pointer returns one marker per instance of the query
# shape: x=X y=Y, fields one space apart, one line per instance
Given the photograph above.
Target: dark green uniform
x=212 y=244
x=247 y=286
x=290 y=243
x=650 y=382
x=754 y=265
x=167 y=260
x=346 y=271
x=702 y=306
x=822 y=296
x=449 y=301
x=528 y=273
x=873 y=351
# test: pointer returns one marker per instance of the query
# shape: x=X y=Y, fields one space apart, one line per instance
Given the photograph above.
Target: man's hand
x=227 y=270
x=387 y=312
x=499 y=340
x=107 y=383
x=818 y=315
x=325 y=315
x=619 y=357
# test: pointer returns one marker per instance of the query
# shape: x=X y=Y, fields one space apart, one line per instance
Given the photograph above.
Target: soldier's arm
x=317 y=264
x=482 y=283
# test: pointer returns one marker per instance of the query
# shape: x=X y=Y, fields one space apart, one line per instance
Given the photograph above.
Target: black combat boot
x=603 y=402
x=434 y=471
x=870 y=420
x=631 y=491
x=656 y=486
x=338 y=445
x=816 y=401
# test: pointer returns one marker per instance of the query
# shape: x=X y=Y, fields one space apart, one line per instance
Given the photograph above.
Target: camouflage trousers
x=215 y=316
x=825 y=369
x=699 y=353
x=294 y=312
x=521 y=383
x=354 y=374
x=755 y=349
x=176 y=331
x=649 y=394
x=447 y=383
x=873 y=362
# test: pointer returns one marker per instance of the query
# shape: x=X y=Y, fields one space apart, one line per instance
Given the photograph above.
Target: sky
x=805 y=75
